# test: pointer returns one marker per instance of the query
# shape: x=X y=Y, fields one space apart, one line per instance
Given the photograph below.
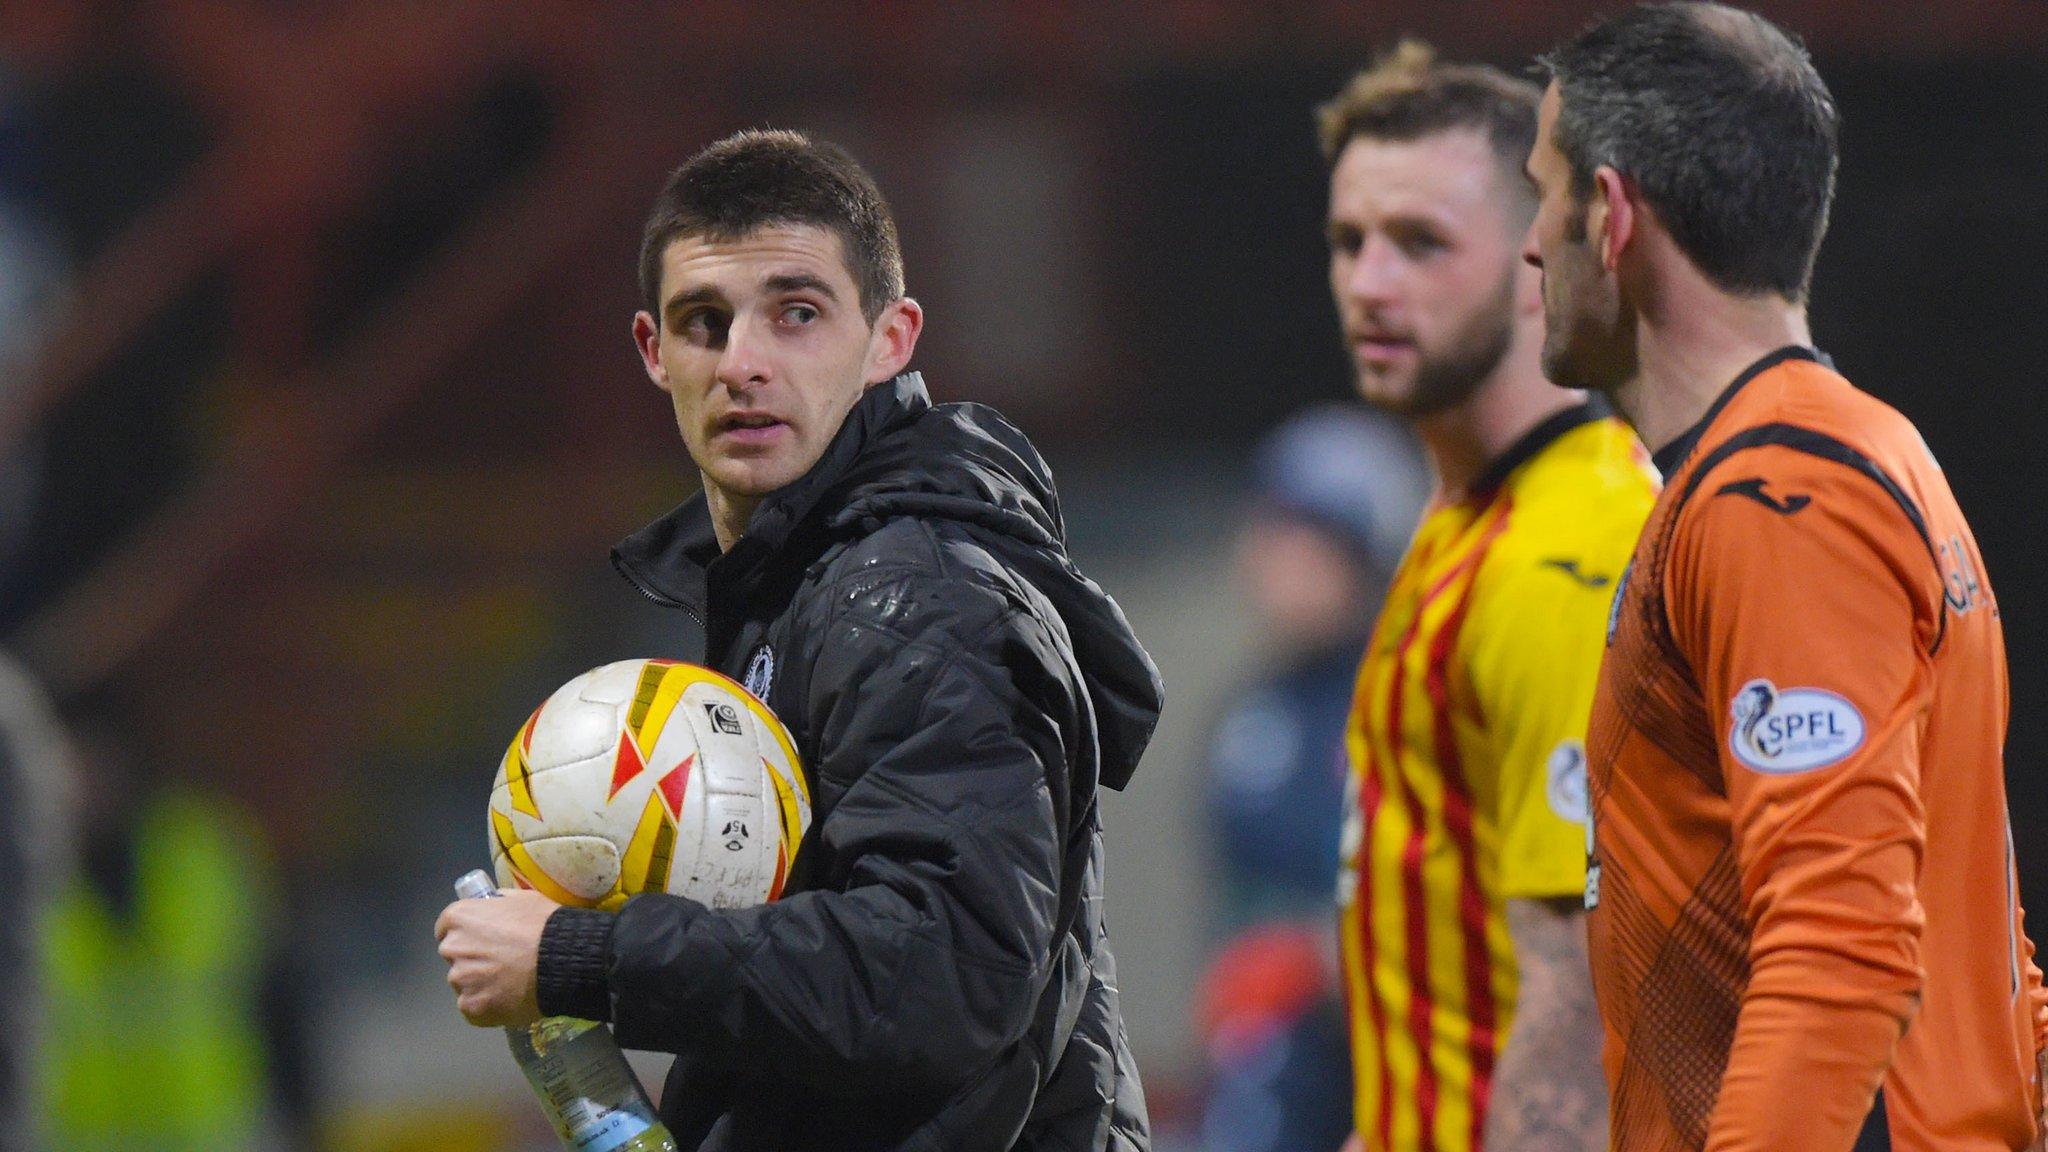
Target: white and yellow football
x=649 y=776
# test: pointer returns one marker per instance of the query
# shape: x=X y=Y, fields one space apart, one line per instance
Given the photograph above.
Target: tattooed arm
x=1549 y=1094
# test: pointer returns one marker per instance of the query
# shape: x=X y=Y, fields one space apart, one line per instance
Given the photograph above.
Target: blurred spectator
x=35 y=781
x=29 y=274
x=32 y=273
x=36 y=769
x=177 y=1021
x=1337 y=491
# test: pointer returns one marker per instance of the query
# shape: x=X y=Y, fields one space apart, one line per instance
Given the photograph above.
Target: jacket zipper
x=658 y=598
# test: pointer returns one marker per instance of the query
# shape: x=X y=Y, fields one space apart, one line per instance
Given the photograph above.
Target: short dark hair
x=1720 y=119
x=760 y=178
x=1408 y=94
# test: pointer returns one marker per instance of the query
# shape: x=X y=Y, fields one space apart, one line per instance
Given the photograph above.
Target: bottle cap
x=476 y=884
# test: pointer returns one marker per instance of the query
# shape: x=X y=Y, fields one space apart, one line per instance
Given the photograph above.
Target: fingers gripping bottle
x=583 y=1081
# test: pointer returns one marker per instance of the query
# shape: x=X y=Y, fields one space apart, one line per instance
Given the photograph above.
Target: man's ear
x=1615 y=215
x=895 y=338
x=647 y=338
x=1529 y=277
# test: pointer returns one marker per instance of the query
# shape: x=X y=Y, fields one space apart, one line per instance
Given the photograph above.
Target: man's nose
x=744 y=362
x=1374 y=274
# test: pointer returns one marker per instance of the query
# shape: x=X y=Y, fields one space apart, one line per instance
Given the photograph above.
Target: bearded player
x=1472 y=1021
x=1805 y=928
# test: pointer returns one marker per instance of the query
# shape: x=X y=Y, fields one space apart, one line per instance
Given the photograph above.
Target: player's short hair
x=1719 y=117
x=762 y=178
x=1408 y=94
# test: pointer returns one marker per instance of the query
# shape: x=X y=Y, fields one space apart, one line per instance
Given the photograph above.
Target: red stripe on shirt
x=1421 y=1002
x=1370 y=794
x=1415 y=907
x=1480 y=1008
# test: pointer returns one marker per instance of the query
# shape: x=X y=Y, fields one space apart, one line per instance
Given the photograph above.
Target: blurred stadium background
x=319 y=413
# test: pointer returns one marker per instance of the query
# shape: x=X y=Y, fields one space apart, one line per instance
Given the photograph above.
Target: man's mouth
x=1380 y=346
x=748 y=427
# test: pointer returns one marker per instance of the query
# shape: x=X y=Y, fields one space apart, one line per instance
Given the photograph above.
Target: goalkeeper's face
x=1588 y=324
x=763 y=348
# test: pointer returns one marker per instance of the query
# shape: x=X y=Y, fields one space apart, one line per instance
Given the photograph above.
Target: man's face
x=1423 y=241
x=1588 y=336
x=763 y=350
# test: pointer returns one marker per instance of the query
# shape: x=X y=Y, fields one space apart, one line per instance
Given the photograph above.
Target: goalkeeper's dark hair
x=1720 y=119
x=763 y=178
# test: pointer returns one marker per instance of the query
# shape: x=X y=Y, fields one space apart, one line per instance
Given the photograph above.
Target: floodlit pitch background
x=328 y=414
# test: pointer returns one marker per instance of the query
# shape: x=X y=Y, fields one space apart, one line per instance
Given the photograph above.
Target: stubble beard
x=1447 y=379
x=1578 y=351
x=1582 y=351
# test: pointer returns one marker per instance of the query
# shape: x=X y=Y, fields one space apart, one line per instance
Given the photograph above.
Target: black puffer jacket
x=939 y=976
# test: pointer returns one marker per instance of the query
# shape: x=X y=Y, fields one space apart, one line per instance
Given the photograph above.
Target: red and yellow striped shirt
x=1467 y=756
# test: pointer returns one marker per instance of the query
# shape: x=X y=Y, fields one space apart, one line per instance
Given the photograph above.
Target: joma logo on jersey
x=1793 y=730
x=1571 y=568
x=1754 y=489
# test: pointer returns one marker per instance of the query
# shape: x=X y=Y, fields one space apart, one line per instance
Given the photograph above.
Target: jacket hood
x=899 y=455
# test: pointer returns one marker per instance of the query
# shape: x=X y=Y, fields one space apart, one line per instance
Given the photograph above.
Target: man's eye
x=1422 y=244
x=704 y=326
x=1345 y=243
x=800 y=313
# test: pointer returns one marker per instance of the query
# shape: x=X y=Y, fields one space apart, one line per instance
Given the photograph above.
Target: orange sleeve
x=2040 y=996
x=1806 y=601
x=2036 y=994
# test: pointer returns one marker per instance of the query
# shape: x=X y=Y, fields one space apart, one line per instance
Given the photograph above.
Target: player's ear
x=1612 y=215
x=894 y=339
x=647 y=338
x=1529 y=277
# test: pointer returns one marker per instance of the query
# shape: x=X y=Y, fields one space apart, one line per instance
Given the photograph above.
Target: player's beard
x=1446 y=379
x=1588 y=327
x=1591 y=355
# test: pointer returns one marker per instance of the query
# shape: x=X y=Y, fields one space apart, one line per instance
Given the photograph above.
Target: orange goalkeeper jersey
x=1805 y=927
x=1468 y=763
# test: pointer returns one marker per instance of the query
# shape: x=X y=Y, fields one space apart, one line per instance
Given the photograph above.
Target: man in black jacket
x=890 y=576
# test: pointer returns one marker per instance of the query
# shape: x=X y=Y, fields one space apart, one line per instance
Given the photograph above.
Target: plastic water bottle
x=584 y=1083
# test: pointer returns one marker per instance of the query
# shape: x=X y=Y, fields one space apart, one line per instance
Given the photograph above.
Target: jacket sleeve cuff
x=575 y=956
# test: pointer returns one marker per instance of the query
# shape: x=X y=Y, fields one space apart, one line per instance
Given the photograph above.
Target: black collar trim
x=1536 y=439
x=1671 y=457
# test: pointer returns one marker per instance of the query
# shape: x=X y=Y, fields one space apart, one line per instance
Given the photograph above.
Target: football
x=649 y=776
